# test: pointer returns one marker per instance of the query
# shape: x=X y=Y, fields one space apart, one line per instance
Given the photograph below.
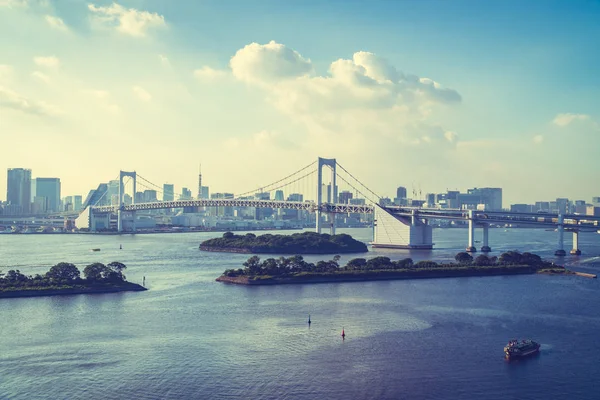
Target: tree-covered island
x=297 y=243
x=65 y=278
x=296 y=270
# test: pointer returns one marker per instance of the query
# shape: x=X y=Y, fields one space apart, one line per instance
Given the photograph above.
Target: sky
x=431 y=94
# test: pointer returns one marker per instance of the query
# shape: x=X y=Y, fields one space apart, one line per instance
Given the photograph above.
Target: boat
x=523 y=348
x=95 y=249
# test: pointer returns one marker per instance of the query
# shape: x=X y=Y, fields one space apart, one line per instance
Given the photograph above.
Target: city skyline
x=88 y=89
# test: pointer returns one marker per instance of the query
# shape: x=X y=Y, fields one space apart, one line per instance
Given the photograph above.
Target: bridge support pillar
x=486 y=247
x=133 y=221
x=92 y=222
x=471 y=246
x=561 y=233
x=575 y=251
x=332 y=218
x=330 y=162
x=119 y=220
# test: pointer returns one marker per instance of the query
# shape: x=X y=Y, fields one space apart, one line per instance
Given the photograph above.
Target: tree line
x=66 y=274
x=296 y=264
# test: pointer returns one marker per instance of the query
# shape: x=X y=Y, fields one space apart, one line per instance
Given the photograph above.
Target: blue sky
x=159 y=86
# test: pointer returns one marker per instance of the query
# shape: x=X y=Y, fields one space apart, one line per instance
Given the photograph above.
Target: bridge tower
x=123 y=174
x=331 y=163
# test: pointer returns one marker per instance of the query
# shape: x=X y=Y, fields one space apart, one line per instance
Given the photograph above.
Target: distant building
x=18 y=190
x=205 y=192
x=430 y=197
x=562 y=206
x=186 y=194
x=593 y=210
x=596 y=201
x=150 y=196
x=77 y=203
x=168 y=192
x=222 y=211
x=48 y=188
x=401 y=192
x=521 y=208
x=491 y=198
x=385 y=201
x=344 y=197
x=541 y=206
x=279 y=195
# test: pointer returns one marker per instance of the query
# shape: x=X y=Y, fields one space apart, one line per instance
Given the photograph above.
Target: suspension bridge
x=394 y=227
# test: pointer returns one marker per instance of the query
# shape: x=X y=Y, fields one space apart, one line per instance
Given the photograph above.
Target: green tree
x=116 y=271
x=404 y=263
x=63 y=271
x=357 y=263
x=482 y=260
x=463 y=258
x=253 y=265
x=96 y=272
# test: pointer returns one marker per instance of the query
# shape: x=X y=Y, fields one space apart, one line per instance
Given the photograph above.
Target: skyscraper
x=168 y=192
x=401 y=192
x=49 y=188
x=18 y=189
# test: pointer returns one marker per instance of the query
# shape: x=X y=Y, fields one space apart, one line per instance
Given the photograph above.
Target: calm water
x=190 y=337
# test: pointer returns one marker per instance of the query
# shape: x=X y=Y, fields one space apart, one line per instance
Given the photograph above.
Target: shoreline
x=382 y=275
x=38 y=292
x=242 y=250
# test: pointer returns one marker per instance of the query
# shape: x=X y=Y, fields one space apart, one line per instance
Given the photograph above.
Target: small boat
x=308 y=319
x=95 y=249
x=519 y=349
x=343 y=334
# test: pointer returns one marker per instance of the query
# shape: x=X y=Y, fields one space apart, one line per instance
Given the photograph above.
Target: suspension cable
x=276 y=182
x=353 y=177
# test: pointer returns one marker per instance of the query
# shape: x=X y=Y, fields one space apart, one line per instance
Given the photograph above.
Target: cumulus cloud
x=364 y=95
x=14 y=3
x=50 y=61
x=129 y=21
x=566 y=119
x=6 y=72
x=56 y=23
x=141 y=93
x=264 y=140
x=209 y=73
x=41 y=76
x=270 y=62
x=15 y=101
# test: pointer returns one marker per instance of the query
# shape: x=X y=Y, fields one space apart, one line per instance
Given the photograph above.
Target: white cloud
x=41 y=76
x=209 y=73
x=141 y=93
x=364 y=96
x=6 y=72
x=50 y=61
x=270 y=62
x=538 y=139
x=15 y=101
x=56 y=23
x=164 y=60
x=128 y=21
x=566 y=119
x=14 y=3
x=264 y=140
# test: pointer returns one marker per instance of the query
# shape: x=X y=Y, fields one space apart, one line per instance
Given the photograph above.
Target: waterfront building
x=49 y=188
x=18 y=190
x=344 y=197
x=279 y=195
x=430 y=199
x=491 y=198
x=77 y=203
x=401 y=192
x=521 y=208
x=168 y=192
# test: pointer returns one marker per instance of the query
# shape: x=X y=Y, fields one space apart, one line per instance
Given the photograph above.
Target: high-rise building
x=490 y=198
x=168 y=192
x=278 y=195
x=150 y=196
x=18 y=189
x=97 y=197
x=430 y=197
x=344 y=197
x=596 y=201
x=401 y=192
x=204 y=193
x=49 y=188
x=186 y=194
x=77 y=202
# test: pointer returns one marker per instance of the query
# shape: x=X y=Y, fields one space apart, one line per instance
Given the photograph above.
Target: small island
x=298 y=243
x=295 y=269
x=64 y=278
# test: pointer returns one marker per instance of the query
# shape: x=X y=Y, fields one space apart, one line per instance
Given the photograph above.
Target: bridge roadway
x=479 y=217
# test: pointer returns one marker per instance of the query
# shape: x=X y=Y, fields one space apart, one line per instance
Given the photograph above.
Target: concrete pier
x=485 y=246
x=575 y=250
x=561 y=234
x=471 y=245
